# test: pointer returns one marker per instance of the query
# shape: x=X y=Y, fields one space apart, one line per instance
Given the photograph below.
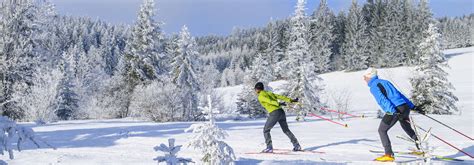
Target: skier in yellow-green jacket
x=276 y=114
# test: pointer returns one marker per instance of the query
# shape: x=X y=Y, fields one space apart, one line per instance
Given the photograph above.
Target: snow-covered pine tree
x=456 y=32
x=90 y=75
x=20 y=48
x=261 y=71
x=321 y=37
x=283 y=34
x=432 y=90
x=185 y=73
x=311 y=91
x=423 y=18
x=408 y=33
x=207 y=137
x=144 y=49
x=376 y=15
x=50 y=36
x=171 y=154
x=274 y=47
x=143 y=54
x=114 y=96
x=339 y=27
x=300 y=81
x=355 y=43
x=67 y=94
x=396 y=43
x=298 y=50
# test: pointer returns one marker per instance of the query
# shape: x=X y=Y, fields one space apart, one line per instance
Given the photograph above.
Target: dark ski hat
x=259 y=86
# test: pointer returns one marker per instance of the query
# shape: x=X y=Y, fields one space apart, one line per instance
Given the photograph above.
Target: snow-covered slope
x=132 y=142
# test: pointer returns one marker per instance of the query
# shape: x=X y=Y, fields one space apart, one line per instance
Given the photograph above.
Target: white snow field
x=131 y=142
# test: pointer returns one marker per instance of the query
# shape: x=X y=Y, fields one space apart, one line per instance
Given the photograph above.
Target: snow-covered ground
x=132 y=142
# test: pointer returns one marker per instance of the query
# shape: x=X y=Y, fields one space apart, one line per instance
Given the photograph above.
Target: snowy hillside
x=132 y=142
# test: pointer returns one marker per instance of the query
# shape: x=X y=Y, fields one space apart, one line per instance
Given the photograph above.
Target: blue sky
x=205 y=17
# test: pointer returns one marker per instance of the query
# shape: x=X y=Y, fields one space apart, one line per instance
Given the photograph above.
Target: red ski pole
x=448 y=126
x=344 y=113
x=444 y=141
x=332 y=121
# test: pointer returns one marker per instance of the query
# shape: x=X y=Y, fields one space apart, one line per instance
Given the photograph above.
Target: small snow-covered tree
x=355 y=44
x=247 y=101
x=432 y=90
x=210 y=78
x=113 y=99
x=41 y=102
x=147 y=98
x=207 y=138
x=171 y=154
x=9 y=130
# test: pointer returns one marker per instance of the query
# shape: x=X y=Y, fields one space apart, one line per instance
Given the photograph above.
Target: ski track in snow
x=128 y=141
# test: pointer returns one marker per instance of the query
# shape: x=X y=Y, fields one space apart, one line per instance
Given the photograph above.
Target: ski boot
x=297 y=147
x=385 y=158
x=268 y=150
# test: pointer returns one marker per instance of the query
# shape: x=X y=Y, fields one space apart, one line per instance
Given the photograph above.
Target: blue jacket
x=387 y=96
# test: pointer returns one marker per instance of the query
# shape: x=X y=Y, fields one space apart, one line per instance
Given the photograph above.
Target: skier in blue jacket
x=396 y=107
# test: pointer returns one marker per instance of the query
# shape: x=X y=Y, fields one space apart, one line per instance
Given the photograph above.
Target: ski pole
x=332 y=121
x=464 y=152
x=344 y=113
x=448 y=126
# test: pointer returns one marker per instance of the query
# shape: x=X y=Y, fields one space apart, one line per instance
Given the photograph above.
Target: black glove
x=295 y=100
x=419 y=110
x=282 y=104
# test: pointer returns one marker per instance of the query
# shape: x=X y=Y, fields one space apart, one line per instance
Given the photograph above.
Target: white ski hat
x=370 y=72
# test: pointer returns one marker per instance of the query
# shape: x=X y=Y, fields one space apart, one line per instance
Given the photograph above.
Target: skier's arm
x=266 y=99
x=382 y=100
x=410 y=104
x=284 y=98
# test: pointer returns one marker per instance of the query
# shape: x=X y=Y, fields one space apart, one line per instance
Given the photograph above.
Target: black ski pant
x=402 y=115
x=280 y=117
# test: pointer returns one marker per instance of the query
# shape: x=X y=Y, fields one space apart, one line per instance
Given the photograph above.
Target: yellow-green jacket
x=269 y=100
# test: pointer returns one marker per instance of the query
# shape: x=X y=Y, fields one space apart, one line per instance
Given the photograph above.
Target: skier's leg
x=387 y=122
x=272 y=119
x=406 y=125
x=405 y=122
x=286 y=130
